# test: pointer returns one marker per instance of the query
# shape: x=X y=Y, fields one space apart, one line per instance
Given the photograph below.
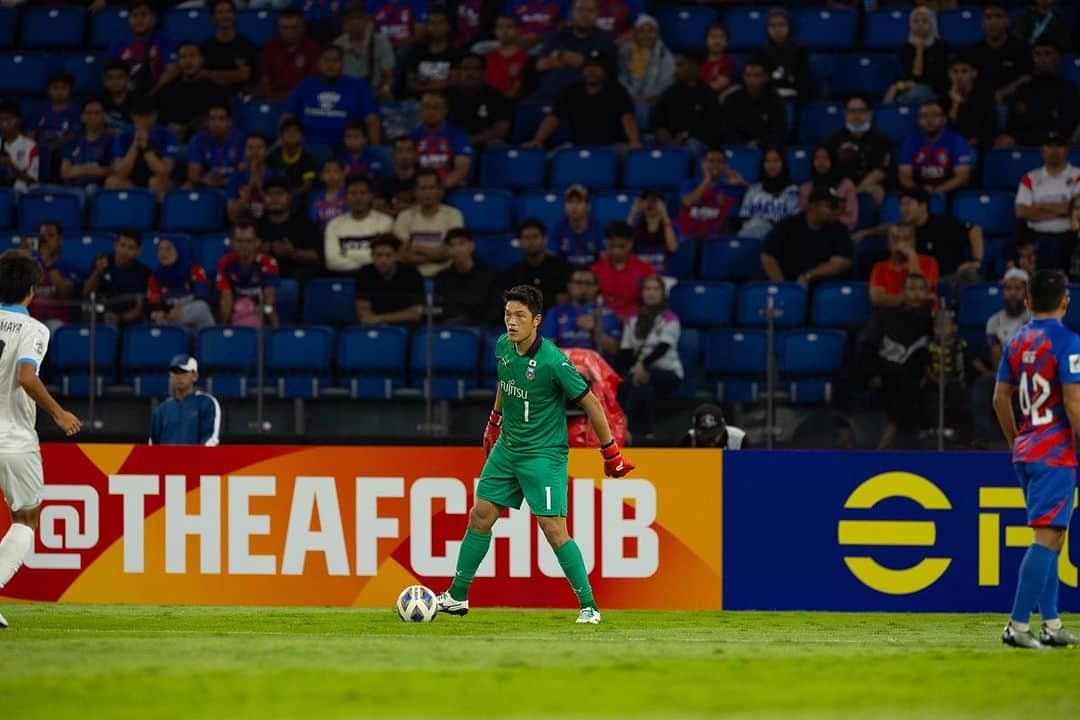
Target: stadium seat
x=109 y=26
x=896 y=121
x=593 y=166
x=807 y=360
x=145 y=356
x=690 y=356
x=192 y=24
x=86 y=68
x=682 y=264
x=1003 y=169
x=789 y=303
x=961 y=26
x=7 y=208
x=545 y=206
x=261 y=116
x=977 y=303
x=186 y=246
x=371 y=361
x=298 y=359
x=257 y=25
x=735 y=259
x=744 y=160
x=799 y=161
x=52 y=27
x=485 y=210
x=872 y=74
x=9 y=20
x=685 y=27
x=1072 y=315
x=746 y=28
x=455 y=357
x=825 y=29
x=227 y=359
x=70 y=354
x=819 y=120
x=38 y=207
x=655 y=167
x=703 y=304
x=193 y=210
x=287 y=300
x=527 y=118
x=885 y=29
x=840 y=304
x=822 y=70
x=736 y=360
x=1070 y=68
x=82 y=249
x=212 y=248
x=23 y=73
x=611 y=205
x=118 y=209
x=329 y=301
x=512 y=168
x=992 y=211
x=890 y=206
x=10 y=241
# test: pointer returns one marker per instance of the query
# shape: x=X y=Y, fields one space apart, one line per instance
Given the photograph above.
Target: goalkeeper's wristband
x=495 y=418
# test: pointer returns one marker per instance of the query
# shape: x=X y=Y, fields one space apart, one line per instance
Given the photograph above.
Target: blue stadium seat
x=260 y=116
x=186 y=245
x=298 y=359
x=961 y=27
x=212 y=248
x=257 y=25
x=527 y=118
x=1003 y=169
x=512 y=168
x=193 y=210
x=594 y=166
x=735 y=259
x=498 y=251
x=1070 y=68
x=37 y=207
x=690 y=356
x=744 y=160
x=736 y=360
x=746 y=28
x=655 y=167
x=611 y=205
x=82 y=249
x=329 y=301
x=681 y=264
x=52 y=27
x=455 y=357
x=789 y=302
x=23 y=73
x=822 y=70
x=977 y=303
x=545 y=205
x=489 y=372
x=885 y=29
x=703 y=304
x=7 y=208
x=807 y=359
x=799 y=161
x=825 y=29
x=10 y=241
x=86 y=68
x=485 y=210
x=819 y=120
x=287 y=300
x=992 y=211
x=188 y=24
x=227 y=358
x=1072 y=315
x=371 y=361
x=840 y=304
x=896 y=121
x=872 y=74
x=685 y=27
x=109 y=26
x=9 y=20
x=145 y=356
x=890 y=206
x=119 y=209
x=70 y=358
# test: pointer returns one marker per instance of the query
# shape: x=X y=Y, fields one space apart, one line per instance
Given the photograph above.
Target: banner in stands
x=885 y=531
x=266 y=525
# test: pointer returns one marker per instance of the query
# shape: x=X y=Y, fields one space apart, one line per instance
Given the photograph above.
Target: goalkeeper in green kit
x=526 y=448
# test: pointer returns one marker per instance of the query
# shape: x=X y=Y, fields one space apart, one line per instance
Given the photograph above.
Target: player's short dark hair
x=386 y=239
x=245 y=223
x=116 y=65
x=131 y=234
x=136 y=4
x=532 y=222
x=10 y=107
x=53 y=224
x=332 y=161
x=19 y=274
x=214 y=4
x=1047 y=289
x=359 y=178
x=187 y=43
x=429 y=172
x=917 y=194
x=290 y=122
x=618 y=229
x=711 y=149
x=528 y=296
x=333 y=49
x=934 y=101
x=94 y=101
x=356 y=124
x=859 y=96
x=220 y=106
x=458 y=232
x=61 y=76
x=257 y=136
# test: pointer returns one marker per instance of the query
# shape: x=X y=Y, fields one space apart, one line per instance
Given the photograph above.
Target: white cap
x=1016 y=274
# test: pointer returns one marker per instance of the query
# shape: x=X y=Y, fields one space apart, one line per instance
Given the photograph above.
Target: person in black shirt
x=971 y=108
x=230 y=58
x=785 y=59
x=544 y=271
x=118 y=96
x=290 y=158
x=1003 y=60
x=687 y=112
x=429 y=65
x=387 y=291
x=924 y=61
x=468 y=289
x=1048 y=103
x=755 y=113
x=809 y=246
x=187 y=99
x=864 y=153
x=289 y=236
x=398 y=191
x=477 y=108
x=944 y=237
x=120 y=280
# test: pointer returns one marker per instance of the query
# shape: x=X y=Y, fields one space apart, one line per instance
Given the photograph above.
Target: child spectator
x=291 y=160
x=534 y=19
x=654 y=237
x=230 y=57
x=646 y=67
x=145 y=155
x=650 y=349
x=577 y=238
x=429 y=64
x=186 y=99
x=120 y=281
x=244 y=191
x=718 y=69
x=117 y=97
x=620 y=272
x=247 y=280
x=60 y=121
x=505 y=64
x=785 y=59
x=288 y=58
x=441 y=146
x=178 y=289
x=149 y=54
x=19 y=162
x=367 y=53
x=824 y=171
x=215 y=153
x=706 y=200
x=923 y=60
x=358 y=158
x=772 y=199
x=328 y=201
x=88 y=158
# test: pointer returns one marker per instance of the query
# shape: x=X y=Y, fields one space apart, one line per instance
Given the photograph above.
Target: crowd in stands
x=382 y=114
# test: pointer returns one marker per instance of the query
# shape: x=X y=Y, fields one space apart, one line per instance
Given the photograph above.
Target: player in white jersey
x=23 y=342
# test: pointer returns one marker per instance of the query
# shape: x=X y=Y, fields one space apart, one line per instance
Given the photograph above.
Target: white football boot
x=451 y=606
x=588 y=616
x=3 y=622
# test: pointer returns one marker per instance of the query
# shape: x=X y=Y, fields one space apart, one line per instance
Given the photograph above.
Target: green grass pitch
x=87 y=662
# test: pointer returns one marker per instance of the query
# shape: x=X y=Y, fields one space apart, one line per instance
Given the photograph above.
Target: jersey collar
x=535 y=347
x=24 y=311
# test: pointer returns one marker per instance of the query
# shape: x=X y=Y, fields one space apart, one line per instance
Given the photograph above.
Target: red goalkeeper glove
x=615 y=465
x=491 y=432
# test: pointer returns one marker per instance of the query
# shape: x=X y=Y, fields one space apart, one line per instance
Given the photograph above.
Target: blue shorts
x=1048 y=493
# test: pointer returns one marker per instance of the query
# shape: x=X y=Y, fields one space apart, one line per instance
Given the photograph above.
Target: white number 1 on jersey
x=526 y=411
x=1034 y=408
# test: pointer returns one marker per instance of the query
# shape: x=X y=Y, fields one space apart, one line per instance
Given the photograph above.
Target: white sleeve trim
x=214 y=440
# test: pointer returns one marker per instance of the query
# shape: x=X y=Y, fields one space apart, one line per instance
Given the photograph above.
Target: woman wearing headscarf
x=924 y=61
x=770 y=200
x=823 y=171
x=178 y=289
x=785 y=59
x=646 y=67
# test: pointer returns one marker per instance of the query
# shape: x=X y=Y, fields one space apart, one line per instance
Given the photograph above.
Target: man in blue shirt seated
x=582 y=322
x=190 y=416
x=145 y=155
x=327 y=102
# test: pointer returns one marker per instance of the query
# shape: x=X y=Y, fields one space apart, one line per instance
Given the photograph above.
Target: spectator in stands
x=190 y=416
x=328 y=201
x=422 y=228
x=770 y=200
x=785 y=59
x=291 y=160
x=1042 y=201
x=60 y=280
x=185 y=100
x=117 y=97
x=687 y=113
x=810 y=246
x=646 y=67
x=934 y=157
x=59 y=122
x=709 y=430
x=429 y=64
x=120 y=281
x=650 y=349
x=247 y=280
x=535 y=20
x=398 y=191
x=178 y=290
x=1003 y=60
x=864 y=153
x=401 y=21
x=654 y=237
x=230 y=57
x=368 y=54
x=1040 y=23
x=214 y=154
x=480 y=110
x=950 y=362
x=923 y=61
x=347 y=239
x=943 y=236
x=88 y=158
x=287 y=234
x=504 y=65
x=754 y=112
x=887 y=277
x=148 y=53
x=620 y=271
x=581 y=321
x=597 y=111
x=388 y=292
x=563 y=55
x=327 y=102
x=471 y=15
x=145 y=155
x=718 y=69
x=1026 y=257
x=288 y=58
x=441 y=146
x=1000 y=326
x=578 y=238
x=468 y=289
x=825 y=171
x=244 y=191
x=543 y=270
x=19 y=162
x=972 y=111
x=1048 y=102
x=357 y=157
x=706 y=200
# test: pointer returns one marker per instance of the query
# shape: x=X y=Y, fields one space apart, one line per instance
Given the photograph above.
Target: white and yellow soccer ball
x=417 y=603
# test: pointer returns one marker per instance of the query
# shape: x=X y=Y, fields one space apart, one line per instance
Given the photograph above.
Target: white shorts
x=21 y=480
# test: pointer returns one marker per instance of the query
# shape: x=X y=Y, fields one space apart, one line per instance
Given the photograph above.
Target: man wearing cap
x=810 y=246
x=709 y=430
x=190 y=416
x=144 y=156
x=1043 y=197
x=578 y=238
x=1000 y=326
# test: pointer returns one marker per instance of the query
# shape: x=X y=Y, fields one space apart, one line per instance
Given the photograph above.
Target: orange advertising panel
x=351 y=526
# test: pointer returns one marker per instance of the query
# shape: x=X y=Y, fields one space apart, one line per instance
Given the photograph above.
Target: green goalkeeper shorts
x=508 y=477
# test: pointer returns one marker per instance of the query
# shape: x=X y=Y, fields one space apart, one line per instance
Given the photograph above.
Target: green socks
x=474 y=547
x=573 y=566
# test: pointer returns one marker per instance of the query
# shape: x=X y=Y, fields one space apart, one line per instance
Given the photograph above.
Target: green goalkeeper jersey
x=535 y=387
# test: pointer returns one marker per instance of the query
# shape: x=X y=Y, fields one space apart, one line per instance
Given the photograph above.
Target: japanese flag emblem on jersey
x=1074 y=363
x=530 y=372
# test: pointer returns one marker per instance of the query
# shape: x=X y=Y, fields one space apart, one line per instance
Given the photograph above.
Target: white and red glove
x=491 y=432
x=615 y=465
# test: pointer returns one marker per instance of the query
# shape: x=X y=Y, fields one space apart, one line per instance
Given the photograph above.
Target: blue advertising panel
x=911 y=531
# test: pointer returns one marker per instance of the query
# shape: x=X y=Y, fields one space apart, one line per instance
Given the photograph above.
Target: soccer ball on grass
x=417 y=603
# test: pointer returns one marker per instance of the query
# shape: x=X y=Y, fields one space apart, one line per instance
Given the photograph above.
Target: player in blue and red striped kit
x=1041 y=363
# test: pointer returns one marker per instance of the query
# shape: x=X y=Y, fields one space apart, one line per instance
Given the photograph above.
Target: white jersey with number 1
x=22 y=340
